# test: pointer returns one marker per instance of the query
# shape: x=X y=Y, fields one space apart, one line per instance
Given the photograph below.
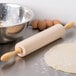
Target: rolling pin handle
x=69 y=25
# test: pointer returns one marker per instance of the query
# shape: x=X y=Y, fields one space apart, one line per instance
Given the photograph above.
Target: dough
x=62 y=57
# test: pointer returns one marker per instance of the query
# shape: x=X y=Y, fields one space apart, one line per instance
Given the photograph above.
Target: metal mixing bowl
x=13 y=19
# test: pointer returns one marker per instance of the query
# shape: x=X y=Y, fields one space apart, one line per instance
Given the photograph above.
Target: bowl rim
x=29 y=9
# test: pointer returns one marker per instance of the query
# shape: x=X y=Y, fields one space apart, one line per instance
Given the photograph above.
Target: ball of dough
x=14 y=29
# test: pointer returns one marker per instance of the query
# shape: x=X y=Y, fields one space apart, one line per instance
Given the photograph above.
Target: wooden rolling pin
x=37 y=41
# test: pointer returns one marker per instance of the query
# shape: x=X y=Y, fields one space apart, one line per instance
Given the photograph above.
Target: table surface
x=34 y=63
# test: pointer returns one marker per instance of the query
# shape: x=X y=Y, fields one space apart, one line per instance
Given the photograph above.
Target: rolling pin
x=37 y=41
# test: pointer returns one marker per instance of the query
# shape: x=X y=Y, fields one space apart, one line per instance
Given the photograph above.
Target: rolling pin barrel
x=41 y=39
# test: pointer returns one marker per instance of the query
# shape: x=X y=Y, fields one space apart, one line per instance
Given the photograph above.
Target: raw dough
x=62 y=57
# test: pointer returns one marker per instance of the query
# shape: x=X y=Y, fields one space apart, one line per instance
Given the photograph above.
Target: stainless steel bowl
x=13 y=19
